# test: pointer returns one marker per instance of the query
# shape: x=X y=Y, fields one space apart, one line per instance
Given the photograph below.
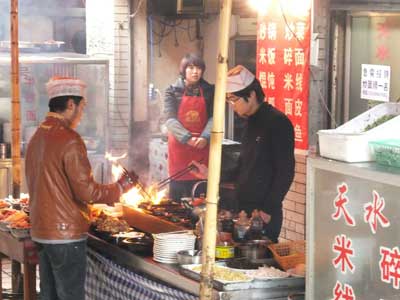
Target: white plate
x=165 y=261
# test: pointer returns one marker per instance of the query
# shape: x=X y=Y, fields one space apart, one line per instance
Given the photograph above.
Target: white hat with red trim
x=238 y=79
x=65 y=86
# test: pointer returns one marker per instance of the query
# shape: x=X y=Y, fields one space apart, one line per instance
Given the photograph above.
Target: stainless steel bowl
x=254 y=249
x=189 y=257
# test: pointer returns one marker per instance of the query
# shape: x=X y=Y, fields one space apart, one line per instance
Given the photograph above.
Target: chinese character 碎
x=287 y=56
x=390 y=265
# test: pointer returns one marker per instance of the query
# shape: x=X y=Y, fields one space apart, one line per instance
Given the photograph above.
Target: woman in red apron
x=188 y=112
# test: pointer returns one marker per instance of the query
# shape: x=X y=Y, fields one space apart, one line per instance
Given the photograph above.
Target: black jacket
x=266 y=163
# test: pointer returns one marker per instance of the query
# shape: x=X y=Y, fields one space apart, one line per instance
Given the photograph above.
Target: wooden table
x=24 y=252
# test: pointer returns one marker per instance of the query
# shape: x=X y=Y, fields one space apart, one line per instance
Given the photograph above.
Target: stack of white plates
x=166 y=245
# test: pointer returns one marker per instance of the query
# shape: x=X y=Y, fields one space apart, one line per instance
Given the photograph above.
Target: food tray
x=387 y=152
x=20 y=233
x=188 y=271
x=4 y=226
x=289 y=254
x=349 y=142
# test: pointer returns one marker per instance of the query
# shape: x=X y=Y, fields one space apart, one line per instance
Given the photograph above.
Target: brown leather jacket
x=60 y=182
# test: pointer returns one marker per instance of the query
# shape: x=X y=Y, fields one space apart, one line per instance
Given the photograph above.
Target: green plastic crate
x=387 y=152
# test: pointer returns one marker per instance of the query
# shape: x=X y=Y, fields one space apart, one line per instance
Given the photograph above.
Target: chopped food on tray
x=267 y=273
x=111 y=224
x=225 y=274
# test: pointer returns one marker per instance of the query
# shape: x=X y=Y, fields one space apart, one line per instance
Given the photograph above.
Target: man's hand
x=200 y=143
x=200 y=170
x=128 y=180
x=265 y=217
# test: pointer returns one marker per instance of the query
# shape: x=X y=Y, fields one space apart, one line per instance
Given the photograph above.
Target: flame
x=157 y=196
x=134 y=196
x=116 y=168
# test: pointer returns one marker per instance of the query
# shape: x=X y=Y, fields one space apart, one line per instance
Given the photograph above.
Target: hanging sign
x=283 y=58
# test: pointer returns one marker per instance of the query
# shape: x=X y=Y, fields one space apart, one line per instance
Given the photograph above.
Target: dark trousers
x=62 y=269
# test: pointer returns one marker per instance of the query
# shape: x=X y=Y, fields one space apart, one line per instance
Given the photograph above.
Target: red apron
x=192 y=114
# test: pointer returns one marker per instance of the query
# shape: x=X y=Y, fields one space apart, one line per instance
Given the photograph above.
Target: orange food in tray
x=6 y=212
x=4 y=204
x=15 y=217
x=21 y=224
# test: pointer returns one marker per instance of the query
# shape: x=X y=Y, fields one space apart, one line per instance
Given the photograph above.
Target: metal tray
x=283 y=283
x=219 y=285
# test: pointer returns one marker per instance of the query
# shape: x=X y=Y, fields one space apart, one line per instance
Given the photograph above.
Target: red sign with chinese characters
x=283 y=57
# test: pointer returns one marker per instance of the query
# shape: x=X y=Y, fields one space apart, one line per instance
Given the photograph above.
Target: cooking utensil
x=177 y=175
x=188 y=257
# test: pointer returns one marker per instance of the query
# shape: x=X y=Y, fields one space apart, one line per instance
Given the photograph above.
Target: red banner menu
x=283 y=57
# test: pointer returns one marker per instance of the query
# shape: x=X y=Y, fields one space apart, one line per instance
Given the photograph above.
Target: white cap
x=65 y=86
x=238 y=79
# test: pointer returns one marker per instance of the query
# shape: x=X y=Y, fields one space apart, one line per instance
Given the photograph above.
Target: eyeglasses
x=232 y=99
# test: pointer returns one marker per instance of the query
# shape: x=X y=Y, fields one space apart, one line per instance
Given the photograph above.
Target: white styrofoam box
x=349 y=142
x=158 y=160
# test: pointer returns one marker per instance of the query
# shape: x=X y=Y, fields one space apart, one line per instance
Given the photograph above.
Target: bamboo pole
x=16 y=107
x=210 y=225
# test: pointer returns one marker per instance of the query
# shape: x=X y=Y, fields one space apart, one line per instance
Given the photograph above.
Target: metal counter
x=353 y=225
x=169 y=273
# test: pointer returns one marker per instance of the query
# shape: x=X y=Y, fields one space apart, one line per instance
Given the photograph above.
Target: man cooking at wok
x=61 y=185
x=266 y=162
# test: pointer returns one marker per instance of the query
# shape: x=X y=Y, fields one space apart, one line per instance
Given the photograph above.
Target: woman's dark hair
x=254 y=86
x=191 y=59
x=59 y=104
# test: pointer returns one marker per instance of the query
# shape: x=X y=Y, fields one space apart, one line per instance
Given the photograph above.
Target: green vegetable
x=379 y=121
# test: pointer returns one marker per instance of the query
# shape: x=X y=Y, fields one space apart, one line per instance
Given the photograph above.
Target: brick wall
x=294 y=205
x=119 y=107
x=107 y=28
x=293 y=227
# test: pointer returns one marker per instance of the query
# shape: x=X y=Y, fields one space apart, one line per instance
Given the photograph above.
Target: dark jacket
x=266 y=163
x=172 y=101
x=60 y=182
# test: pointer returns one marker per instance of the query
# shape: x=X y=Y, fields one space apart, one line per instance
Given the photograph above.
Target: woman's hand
x=200 y=143
x=200 y=170
x=192 y=142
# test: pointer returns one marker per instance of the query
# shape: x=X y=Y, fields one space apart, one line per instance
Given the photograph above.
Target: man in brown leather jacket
x=61 y=185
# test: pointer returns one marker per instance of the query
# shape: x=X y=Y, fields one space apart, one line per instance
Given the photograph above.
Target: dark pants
x=183 y=188
x=62 y=269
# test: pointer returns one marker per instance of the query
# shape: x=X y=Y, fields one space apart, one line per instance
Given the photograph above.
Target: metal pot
x=188 y=257
x=254 y=249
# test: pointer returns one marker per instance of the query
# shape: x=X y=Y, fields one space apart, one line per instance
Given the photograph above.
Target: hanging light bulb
x=260 y=6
